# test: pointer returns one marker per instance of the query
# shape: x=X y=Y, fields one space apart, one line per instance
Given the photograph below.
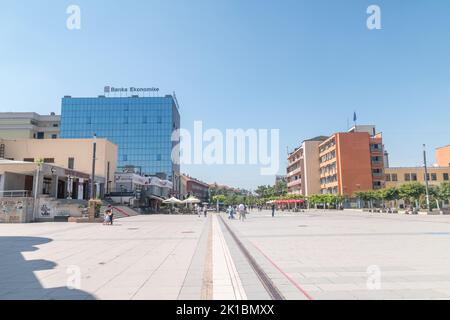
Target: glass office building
x=142 y=128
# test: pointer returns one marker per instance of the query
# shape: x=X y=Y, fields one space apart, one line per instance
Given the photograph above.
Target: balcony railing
x=15 y=194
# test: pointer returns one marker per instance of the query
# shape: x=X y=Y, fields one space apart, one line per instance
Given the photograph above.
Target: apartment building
x=193 y=187
x=29 y=125
x=303 y=168
x=352 y=161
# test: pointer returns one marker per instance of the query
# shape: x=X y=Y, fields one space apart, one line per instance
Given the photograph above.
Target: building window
x=388 y=177
x=413 y=177
x=28 y=160
x=54 y=136
x=125 y=157
x=71 y=163
x=55 y=125
x=40 y=135
x=445 y=177
x=158 y=157
x=407 y=177
x=433 y=177
x=49 y=160
x=394 y=177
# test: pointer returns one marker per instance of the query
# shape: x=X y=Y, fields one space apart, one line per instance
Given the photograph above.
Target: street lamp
x=94 y=154
x=39 y=164
x=426 y=178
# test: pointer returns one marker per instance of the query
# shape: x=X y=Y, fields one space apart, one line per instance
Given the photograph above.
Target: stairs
x=124 y=212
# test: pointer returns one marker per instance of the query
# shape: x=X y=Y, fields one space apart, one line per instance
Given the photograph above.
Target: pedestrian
x=273 y=210
x=107 y=218
x=111 y=214
x=198 y=210
x=229 y=212
x=205 y=210
x=242 y=212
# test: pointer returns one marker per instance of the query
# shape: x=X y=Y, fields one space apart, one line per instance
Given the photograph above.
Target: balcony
x=294 y=172
x=294 y=183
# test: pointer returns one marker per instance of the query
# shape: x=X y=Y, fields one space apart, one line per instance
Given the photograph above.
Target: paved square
x=311 y=255
x=143 y=257
x=342 y=255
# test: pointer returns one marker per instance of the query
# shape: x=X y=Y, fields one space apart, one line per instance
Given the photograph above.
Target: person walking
x=111 y=214
x=106 y=218
x=242 y=212
x=198 y=209
x=273 y=210
x=205 y=210
x=108 y=215
x=229 y=212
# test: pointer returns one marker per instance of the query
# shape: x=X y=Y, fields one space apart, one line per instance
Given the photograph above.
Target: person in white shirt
x=242 y=212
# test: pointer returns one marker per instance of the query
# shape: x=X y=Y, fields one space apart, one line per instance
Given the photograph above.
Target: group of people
x=108 y=218
x=200 y=210
x=241 y=210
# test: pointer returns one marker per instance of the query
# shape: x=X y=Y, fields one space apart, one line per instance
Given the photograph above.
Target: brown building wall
x=354 y=162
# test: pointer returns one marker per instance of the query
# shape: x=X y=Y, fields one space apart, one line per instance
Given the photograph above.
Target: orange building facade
x=443 y=156
x=351 y=162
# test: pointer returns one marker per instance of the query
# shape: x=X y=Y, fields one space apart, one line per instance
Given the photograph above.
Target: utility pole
x=427 y=189
x=94 y=155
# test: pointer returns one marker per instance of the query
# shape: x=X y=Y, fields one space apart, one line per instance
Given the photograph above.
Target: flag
x=354 y=117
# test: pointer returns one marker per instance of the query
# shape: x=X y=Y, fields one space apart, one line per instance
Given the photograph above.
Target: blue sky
x=300 y=66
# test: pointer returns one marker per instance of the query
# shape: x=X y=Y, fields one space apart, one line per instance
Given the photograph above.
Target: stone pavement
x=312 y=255
x=143 y=257
x=354 y=255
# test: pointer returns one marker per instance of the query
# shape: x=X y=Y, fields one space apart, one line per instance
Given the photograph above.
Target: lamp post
x=427 y=189
x=39 y=164
x=94 y=154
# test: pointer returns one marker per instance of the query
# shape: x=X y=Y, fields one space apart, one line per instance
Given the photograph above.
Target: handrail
x=122 y=211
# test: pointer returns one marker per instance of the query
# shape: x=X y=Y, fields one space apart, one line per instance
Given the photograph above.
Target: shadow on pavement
x=17 y=278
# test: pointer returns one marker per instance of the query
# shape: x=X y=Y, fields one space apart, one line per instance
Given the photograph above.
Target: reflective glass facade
x=141 y=127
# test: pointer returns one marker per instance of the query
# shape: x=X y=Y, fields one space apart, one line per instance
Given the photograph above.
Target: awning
x=153 y=197
x=290 y=201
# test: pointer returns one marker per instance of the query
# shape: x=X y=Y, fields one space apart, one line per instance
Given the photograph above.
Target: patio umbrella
x=172 y=200
x=191 y=200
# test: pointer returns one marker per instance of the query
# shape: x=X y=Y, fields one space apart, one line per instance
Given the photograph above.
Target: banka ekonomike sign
x=109 y=89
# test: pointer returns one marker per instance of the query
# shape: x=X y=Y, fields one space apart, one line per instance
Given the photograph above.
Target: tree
x=444 y=190
x=220 y=198
x=363 y=196
x=388 y=194
x=280 y=188
x=411 y=192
